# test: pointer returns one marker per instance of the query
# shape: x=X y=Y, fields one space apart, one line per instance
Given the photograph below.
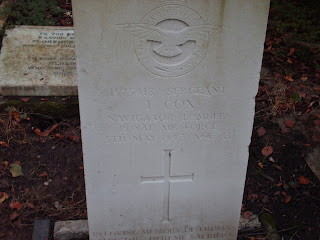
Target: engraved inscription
x=175 y=233
x=166 y=180
x=178 y=117
x=170 y=41
x=62 y=61
x=39 y=56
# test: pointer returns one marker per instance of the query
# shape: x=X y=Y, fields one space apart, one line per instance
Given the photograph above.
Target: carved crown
x=167 y=2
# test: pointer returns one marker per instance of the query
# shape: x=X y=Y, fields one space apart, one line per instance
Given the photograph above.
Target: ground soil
x=52 y=185
x=47 y=146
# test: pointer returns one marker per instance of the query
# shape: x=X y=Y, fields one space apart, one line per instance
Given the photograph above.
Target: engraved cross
x=166 y=180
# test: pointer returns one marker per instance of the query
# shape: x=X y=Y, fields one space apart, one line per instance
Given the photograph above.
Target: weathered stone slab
x=249 y=224
x=37 y=61
x=41 y=230
x=166 y=93
x=68 y=230
x=313 y=161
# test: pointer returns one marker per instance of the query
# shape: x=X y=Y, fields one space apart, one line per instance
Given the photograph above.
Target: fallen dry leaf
x=46 y=132
x=26 y=99
x=54 y=127
x=304 y=79
x=58 y=136
x=266 y=151
x=303 y=180
x=247 y=215
x=289 y=78
x=74 y=138
x=30 y=205
x=289 y=61
x=261 y=131
x=288 y=198
x=13 y=216
x=16 y=116
x=3 y=144
x=302 y=94
x=316 y=122
x=292 y=51
x=3 y=197
x=37 y=131
x=44 y=174
x=44 y=99
x=289 y=123
x=15 y=170
x=15 y=205
x=277 y=75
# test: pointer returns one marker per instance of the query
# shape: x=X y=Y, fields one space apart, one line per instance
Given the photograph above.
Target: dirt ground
x=52 y=184
x=41 y=139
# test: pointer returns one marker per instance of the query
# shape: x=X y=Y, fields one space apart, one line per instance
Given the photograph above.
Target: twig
x=293 y=235
x=307 y=44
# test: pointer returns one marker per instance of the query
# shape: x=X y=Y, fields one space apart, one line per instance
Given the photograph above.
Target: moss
x=32 y=12
x=270 y=220
x=49 y=108
x=299 y=18
x=270 y=227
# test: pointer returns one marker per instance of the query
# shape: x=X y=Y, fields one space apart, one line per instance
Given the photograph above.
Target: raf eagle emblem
x=170 y=41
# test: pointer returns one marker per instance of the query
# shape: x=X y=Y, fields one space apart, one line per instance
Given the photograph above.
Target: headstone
x=38 y=61
x=166 y=91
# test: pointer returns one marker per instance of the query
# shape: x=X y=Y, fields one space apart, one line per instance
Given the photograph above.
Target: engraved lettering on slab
x=167 y=179
x=39 y=57
x=174 y=233
x=171 y=40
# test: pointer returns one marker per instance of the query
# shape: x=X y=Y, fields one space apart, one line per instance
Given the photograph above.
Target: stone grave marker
x=38 y=61
x=167 y=93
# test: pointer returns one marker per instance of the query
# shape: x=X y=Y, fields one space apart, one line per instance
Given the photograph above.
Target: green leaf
x=16 y=170
x=23 y=116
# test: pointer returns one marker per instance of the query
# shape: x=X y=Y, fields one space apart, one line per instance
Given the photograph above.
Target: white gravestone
x=167 y=104
x=38 y=61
